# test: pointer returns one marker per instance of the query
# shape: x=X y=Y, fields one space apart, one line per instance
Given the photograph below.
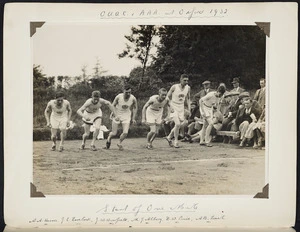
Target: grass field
x=222 y=169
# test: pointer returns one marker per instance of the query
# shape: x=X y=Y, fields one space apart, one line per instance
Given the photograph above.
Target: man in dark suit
x=260 y=95
x=246 y=115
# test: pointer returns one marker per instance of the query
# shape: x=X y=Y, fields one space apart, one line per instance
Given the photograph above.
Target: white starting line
x=165 y=162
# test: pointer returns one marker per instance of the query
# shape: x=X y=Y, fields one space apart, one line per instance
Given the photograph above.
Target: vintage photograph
x=149 y=109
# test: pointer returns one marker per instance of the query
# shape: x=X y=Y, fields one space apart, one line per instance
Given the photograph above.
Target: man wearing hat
x=236 y=87
x=206 y=89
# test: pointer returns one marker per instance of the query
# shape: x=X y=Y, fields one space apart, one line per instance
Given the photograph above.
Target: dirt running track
x=222 y=169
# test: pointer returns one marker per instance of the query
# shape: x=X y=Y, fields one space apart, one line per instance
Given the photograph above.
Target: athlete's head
x=162 y=94
x=96 y=96
x=127 y=91
x=59 y=97
x=184 y=79
x=220 y=91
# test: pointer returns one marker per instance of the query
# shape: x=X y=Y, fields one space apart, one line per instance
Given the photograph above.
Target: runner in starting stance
x=152 y=114
x=179 y=94
x=126 y=107
x=59 y=118
x=91 y=114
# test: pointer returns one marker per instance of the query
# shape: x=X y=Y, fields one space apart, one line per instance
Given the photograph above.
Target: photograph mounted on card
x=150 y=115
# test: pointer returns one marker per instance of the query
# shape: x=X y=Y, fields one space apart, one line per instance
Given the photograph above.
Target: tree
x=140 y=43
x=218 y=53
x=39 y=78
x=98 y=69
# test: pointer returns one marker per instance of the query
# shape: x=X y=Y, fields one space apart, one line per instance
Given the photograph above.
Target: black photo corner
x=2 y=222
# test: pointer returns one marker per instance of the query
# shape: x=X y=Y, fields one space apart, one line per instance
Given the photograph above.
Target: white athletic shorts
x=153 y=117
x=58 y=122
x=177 y=111
x=92 y=116
x=123 y=118
x=207 y=110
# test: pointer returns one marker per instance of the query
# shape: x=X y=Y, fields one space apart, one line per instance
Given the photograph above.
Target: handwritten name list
x=136 y=215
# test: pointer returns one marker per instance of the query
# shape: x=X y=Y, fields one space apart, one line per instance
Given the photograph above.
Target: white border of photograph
x=190 y=211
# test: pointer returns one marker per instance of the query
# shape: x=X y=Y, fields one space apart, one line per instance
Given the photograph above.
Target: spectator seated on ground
x=194 y=124
x=184 y=125
x=167 y=127
x=246 y=115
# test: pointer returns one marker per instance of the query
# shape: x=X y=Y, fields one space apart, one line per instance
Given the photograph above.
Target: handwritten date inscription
x=170 y=13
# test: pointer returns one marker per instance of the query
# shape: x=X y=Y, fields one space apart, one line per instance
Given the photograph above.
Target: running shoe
x=53 y=148
x=169 y=141
x=82 y=147
x=120 y=147
x=93 y=148
x=176 y=145
x=107 y=146
x=149 y=147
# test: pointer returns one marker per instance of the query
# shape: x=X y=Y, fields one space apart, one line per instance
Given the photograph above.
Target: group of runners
x=168 y=106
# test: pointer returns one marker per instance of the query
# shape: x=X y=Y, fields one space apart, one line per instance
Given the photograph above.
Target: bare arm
x=69 y=109
x=81 y=110
x=110 y=106
x=148 y=103
x=187 y=100
x=47 y=113
x=167 y=105
x=169 y=95
x=134 y=110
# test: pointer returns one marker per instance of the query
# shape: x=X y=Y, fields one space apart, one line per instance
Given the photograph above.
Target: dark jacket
x=199 y=95
x=243 y=116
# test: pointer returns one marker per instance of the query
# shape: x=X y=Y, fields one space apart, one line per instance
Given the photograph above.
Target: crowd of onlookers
x=240 y=117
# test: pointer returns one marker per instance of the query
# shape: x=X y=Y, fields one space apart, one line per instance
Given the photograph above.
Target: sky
x=63 y=49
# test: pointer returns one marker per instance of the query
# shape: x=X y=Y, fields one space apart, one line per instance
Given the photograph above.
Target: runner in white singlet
x=179 y=94
x=125 y=112
x=58 y=113
x=152 y=114
x=91 y=114
x=206 y=105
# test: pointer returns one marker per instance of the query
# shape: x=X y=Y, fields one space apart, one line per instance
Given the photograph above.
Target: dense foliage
x=215 y=53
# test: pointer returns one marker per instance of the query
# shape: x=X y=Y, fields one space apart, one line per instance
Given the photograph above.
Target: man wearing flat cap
x=206 y=89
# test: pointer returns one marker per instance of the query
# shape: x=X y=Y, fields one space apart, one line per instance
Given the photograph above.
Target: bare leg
x=113 y=132
x=85 y=135
x=208 y=136
x=203 y=132
x=151 y=133
x=97 y=124
x=53 y=138
x=123 y=136
x=63 y=134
